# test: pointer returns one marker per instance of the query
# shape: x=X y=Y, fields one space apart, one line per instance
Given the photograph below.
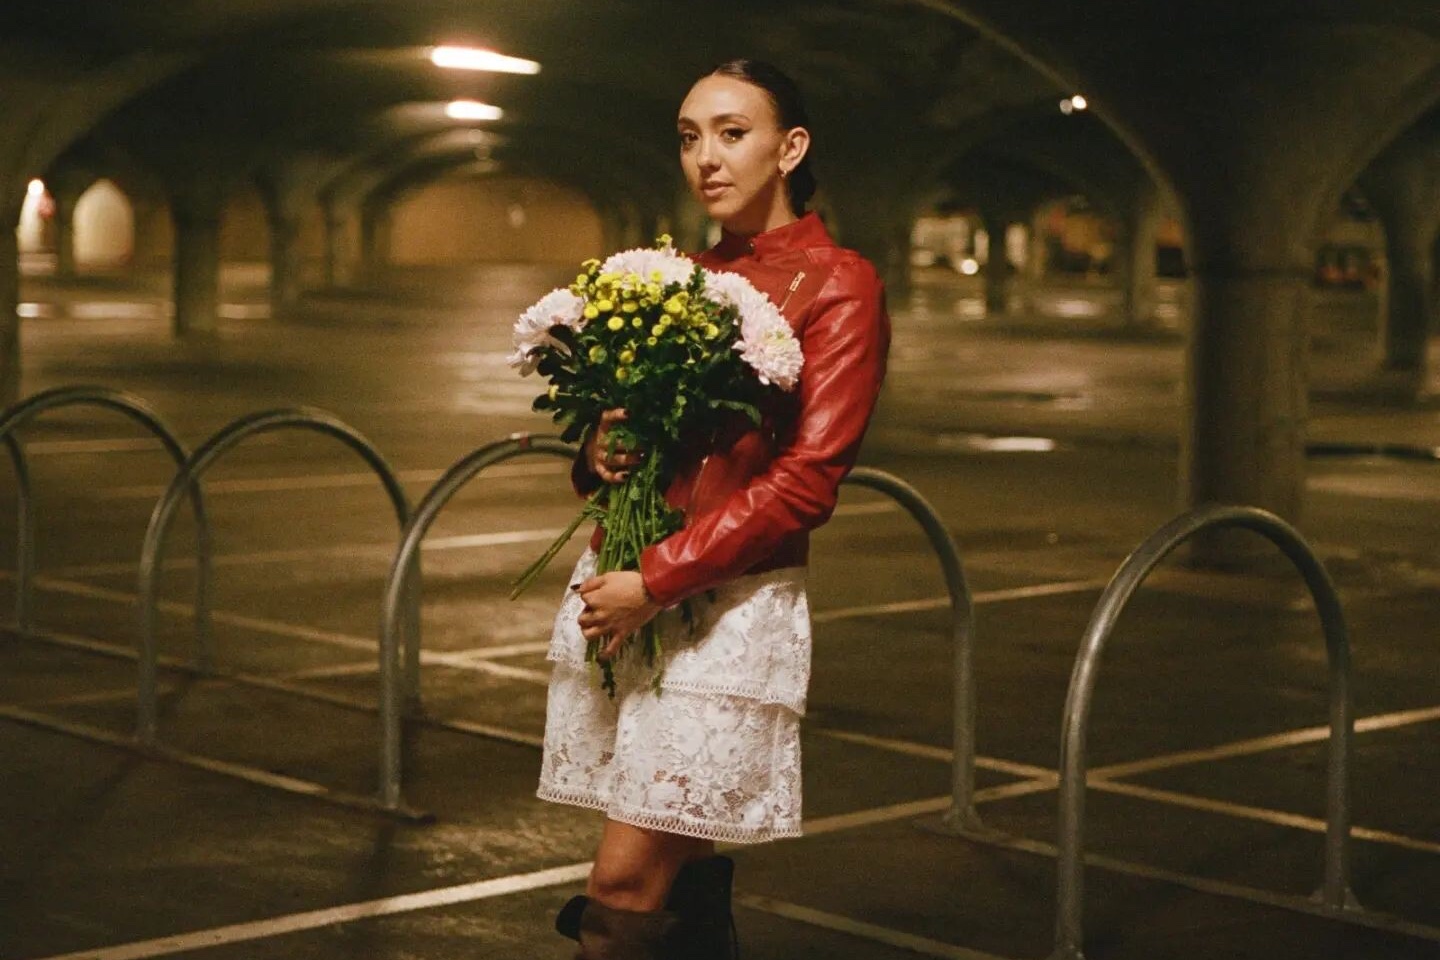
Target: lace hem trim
x=793 y=702
x=670 y=823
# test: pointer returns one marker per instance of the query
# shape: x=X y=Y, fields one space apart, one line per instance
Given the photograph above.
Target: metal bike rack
x=19 y=414
x=962 y=818
x=402 y=592
x=24 y=534
x=152 y=555
x=1334 y=894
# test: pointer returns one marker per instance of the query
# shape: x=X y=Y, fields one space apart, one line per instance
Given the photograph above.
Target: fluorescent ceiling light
x=472 y=58
x=472 y=110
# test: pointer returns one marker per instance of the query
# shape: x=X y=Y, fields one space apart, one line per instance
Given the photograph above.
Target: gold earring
x=784 y=173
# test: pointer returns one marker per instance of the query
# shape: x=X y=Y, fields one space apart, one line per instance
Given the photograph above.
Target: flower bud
x=615 y=323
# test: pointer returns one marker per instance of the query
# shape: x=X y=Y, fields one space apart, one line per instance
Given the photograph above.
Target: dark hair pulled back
x=789 y=107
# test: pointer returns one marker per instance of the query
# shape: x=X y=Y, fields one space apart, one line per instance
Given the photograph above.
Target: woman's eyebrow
x=719 y=118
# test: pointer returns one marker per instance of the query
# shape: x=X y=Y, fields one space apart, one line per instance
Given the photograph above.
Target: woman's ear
x=794 y=147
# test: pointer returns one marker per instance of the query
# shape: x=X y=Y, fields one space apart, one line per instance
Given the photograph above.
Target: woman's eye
x=686 y=139
x=732 y=133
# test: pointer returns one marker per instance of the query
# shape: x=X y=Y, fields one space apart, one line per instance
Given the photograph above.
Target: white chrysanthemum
x=673 y=267
x=558 y=308
x=775 y=356
x=766 y=341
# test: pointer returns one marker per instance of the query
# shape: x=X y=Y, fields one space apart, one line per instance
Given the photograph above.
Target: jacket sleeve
x=845 y=345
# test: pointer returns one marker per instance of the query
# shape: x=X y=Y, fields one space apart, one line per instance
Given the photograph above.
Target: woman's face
x=732 y=149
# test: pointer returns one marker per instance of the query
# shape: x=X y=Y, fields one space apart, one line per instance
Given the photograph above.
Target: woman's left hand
x=616 y=605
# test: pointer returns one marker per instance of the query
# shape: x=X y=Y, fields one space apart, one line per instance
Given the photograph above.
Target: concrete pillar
x=1407 y=320
x=688 y=222
x=1244 y=440
x=998 y=283
x=376 y=225
x=9 y=302
x=285 y=262
x=1037 y=252
x=876 y=217
x=1137 y=278
x=339 y=256
x=146 y=213
x=196 y=214
x=64 y=222
x=1403 y=185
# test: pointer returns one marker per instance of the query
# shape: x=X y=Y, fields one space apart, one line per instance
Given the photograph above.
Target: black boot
x=610 y=934
x=701 y=898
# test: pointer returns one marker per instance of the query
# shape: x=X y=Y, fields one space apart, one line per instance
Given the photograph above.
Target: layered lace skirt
x=715 y=752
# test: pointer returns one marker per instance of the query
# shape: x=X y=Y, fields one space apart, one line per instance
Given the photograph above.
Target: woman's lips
x=712 y=190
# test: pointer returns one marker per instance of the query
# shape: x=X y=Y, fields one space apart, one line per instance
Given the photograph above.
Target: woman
x=715 y=754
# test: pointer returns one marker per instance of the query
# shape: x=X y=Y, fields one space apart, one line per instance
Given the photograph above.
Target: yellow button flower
x=637 y=322
x=605 y=306
x=657 y=330
x=622 y=374
x=711 y=331
x=627 y=356
x=651 y=341
x=675 y=306
x=590 y=312
x=597 y=353
x=629 y=306
x=615 y=323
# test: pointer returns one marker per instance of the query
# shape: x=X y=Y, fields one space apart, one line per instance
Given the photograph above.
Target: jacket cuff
x=661 y=581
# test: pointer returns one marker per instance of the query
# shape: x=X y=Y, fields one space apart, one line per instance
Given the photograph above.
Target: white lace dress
x=716 y=752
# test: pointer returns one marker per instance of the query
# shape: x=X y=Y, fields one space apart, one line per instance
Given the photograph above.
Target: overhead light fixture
x=472 y=110
x=473 y=58
x=1073 y=104
x=36 y=188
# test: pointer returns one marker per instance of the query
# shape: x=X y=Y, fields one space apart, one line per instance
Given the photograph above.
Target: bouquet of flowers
x=680 y=348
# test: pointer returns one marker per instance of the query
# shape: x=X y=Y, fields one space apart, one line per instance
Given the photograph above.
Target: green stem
x=531 y=572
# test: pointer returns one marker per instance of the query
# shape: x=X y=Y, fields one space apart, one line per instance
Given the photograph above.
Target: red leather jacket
x=751 y=501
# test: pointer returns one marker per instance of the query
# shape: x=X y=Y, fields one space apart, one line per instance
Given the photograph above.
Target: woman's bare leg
x=635 y=866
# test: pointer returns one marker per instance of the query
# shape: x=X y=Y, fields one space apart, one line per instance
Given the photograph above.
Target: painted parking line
x=1242 y=811
x=322 y=481
x=1104 y=779
x=383 y=551
x=1030 y=592
x=924 y=946
x=441 y=897
x=316 y=919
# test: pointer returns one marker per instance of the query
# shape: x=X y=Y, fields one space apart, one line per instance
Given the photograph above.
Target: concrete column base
x=1244 y=442
x=9 y=305
x=197 y=272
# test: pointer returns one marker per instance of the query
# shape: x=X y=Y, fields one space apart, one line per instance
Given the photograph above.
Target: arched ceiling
x=253 y=81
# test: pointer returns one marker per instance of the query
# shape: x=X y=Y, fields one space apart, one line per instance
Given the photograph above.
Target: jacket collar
x=808 y=231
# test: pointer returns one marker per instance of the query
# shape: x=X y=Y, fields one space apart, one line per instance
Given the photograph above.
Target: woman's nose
x=705 y=154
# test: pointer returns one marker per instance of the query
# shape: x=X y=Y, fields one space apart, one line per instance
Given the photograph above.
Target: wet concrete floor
x=1047 y=442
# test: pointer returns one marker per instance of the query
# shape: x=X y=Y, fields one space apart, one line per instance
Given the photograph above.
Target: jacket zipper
x=695 y=487
x=794 y=285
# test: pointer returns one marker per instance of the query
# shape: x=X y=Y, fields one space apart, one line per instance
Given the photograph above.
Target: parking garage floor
x=1046 y=441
